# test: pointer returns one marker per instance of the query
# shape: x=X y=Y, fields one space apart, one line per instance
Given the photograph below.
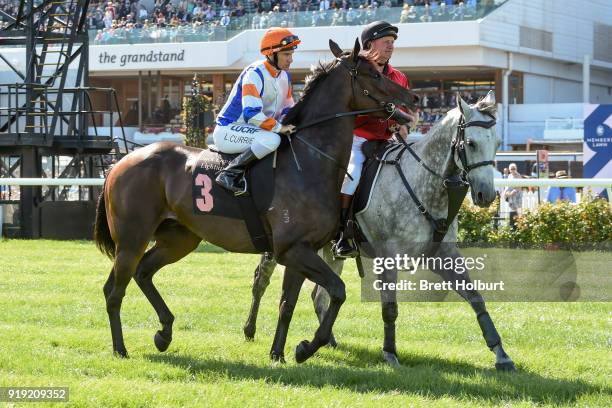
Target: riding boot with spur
x=232 y=177
x=343 y=246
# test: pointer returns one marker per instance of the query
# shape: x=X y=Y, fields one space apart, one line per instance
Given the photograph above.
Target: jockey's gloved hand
x=287 y=129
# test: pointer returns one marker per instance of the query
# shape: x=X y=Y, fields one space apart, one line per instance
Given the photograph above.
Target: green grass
x=54 y=331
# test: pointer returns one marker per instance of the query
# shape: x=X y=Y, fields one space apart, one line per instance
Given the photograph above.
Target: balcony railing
x=223 y=28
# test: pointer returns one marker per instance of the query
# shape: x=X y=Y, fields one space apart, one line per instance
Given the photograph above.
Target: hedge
x=589 y=222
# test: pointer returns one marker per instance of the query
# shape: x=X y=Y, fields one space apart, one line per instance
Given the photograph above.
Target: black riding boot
x=344 y=247
x=232 y=177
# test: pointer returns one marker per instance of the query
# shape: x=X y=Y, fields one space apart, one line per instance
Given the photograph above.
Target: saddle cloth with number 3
x=211 y=199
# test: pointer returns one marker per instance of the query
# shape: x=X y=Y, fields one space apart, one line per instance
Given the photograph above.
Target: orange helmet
x=278 y=39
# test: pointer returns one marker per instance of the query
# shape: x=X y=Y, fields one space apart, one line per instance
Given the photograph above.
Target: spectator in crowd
x=561 y=193
x=459 y=12
x=513 y=195
x=225 y=20
x=442 y=14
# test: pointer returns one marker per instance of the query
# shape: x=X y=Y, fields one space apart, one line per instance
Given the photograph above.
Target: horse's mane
x=436 y=134
x=317 y=75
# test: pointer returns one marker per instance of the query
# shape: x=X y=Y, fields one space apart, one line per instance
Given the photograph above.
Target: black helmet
x=376 y=30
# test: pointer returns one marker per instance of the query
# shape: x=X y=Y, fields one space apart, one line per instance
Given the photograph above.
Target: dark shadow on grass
x=425 y=375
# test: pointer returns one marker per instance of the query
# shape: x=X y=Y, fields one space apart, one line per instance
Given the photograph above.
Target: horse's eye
x=470 y=143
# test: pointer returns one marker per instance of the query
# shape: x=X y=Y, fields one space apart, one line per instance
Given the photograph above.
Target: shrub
x=589 y=222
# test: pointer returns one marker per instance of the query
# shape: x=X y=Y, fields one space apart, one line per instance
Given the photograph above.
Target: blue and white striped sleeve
x=252 y=105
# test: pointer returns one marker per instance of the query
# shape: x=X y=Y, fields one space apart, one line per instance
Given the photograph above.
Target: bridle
x=389 y=107
x=456 y=184
x=459 y=142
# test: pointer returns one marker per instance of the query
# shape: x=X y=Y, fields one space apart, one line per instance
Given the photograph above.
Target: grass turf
x=54 y=331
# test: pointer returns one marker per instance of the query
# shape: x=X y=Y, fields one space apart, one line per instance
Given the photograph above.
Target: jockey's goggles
x=289 y=42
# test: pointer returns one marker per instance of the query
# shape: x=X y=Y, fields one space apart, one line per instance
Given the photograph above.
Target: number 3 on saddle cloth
x=211 y=199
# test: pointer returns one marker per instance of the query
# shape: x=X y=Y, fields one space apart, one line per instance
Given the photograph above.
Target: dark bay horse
x=394 y=225
x=148 y=196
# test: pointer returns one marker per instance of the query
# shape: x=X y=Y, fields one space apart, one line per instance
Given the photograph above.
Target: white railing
x=51 y=182
x=566 y=182
x=530 y=199
x=605 y=183
x=569 y=182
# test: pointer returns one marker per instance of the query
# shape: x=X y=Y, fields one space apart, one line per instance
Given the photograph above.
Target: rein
x=389 y=107
x=456 y=184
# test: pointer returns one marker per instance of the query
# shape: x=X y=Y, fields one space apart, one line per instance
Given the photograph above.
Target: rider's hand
x=414 y=119
x=287 y=129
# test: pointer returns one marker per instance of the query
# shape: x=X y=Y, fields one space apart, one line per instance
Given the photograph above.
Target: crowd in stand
x=209 y=20
x=201 y=20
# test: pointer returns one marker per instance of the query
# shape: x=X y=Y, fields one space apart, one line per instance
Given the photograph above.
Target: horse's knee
x=113 y=301
x=337 y=292
x=108 y=288
x=478 y=306
x=389 y=312
x=262 y=281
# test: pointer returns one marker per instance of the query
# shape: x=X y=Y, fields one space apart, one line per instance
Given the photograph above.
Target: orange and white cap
x=278 y=39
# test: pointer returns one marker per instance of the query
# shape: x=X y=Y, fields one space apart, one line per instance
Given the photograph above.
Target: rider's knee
x=265 y=144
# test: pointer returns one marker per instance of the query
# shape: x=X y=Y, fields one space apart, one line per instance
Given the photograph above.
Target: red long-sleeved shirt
x=372 y=128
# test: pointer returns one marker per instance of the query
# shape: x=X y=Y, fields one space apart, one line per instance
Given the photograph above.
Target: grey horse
x=393 y=224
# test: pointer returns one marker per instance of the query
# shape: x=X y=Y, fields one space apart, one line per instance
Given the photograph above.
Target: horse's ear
x=356 y=50
x=463 y=107
x=335 y=48
x=489 y=99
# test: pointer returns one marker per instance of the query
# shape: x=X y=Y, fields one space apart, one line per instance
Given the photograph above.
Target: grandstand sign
x=135 y=58
x=142 y=57
x=597 y=141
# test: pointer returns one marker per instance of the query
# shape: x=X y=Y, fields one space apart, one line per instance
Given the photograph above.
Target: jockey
x=377 y=39
x=250 y=121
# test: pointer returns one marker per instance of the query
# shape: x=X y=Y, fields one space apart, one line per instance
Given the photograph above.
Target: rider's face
x=384 y=48
x=285 y=58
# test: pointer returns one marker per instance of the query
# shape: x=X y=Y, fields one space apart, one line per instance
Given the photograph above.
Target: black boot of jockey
x=232 y=177
x=343 y=246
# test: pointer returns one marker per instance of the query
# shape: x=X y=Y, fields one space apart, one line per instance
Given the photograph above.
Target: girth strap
x=456 y=189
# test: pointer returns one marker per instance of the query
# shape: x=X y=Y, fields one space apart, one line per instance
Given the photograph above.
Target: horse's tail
x=102 y=235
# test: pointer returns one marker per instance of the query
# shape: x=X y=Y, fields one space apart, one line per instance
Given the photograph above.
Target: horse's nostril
x=480 y=197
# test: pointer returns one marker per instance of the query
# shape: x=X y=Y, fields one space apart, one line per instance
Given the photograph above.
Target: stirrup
x=232 y=188
x=347 y=250
x=245 y=191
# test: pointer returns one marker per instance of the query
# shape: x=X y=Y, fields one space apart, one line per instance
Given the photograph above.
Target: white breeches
x=354 y=167
x=238 y=137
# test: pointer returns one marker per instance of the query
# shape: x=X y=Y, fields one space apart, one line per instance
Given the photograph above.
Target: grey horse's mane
x=439 y=131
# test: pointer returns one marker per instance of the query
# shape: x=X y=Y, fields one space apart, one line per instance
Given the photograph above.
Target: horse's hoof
x=508 y=366
x=279 y=358
x=161 y=342
x=301 y=351
x=332 y=342
x=249 y=333
x=391 y=358
x=121 y=353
